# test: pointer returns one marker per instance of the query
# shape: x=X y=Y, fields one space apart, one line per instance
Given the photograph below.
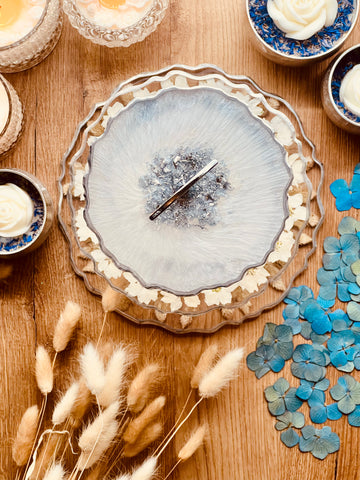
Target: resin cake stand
x=188 y=271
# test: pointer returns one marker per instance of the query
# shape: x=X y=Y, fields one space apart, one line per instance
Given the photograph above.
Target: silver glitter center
x=166 y=174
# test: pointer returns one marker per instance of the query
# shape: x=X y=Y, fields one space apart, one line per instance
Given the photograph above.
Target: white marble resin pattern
x=252 y=214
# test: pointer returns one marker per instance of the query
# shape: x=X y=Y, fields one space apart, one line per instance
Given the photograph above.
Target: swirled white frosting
x=16 y=210
x=114 y=18
x=350 y=90
x=4 y=106
x=29 y=16
x=301 y=19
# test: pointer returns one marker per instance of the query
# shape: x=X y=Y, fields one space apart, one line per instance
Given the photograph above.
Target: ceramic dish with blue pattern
x=42 y=217
x=278 y=47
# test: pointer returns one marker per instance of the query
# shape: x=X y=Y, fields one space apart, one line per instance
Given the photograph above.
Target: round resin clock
x=228 y=248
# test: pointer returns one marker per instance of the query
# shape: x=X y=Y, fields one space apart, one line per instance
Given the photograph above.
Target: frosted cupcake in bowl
x=29 y=30
x=299 y=32
x=115 y=23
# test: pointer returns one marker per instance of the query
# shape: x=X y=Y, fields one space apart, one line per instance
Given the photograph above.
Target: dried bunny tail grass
x=55 y=472
x=25 y=436
x=114 y=377
x=93 y=432
x=142 y=387
x=5 y=271
x=46 y=455
x=204 y=364
x=92 y=369
x=221 y=374
x=193 y=444
x=81 y=405
x=146 y=471
x=65 y=405
x=106 y=350
x=112 y=299
x=105 y=437
x=151 y=433
x=44 y=371
x=65 y=327
x=147 y=416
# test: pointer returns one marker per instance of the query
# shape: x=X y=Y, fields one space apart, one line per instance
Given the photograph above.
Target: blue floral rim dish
x=42 y=214
x=345 y=64
x=321 y=44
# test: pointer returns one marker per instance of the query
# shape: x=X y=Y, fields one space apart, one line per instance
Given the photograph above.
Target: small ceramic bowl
x=11 y=117
x=330 y=88
x=43 y=216
x=120 y=37
x=274 y=45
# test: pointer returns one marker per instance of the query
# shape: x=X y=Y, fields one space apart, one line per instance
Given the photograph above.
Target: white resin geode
x=185 y=259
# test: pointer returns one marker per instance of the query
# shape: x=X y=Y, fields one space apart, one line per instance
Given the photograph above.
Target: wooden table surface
x=57 y=94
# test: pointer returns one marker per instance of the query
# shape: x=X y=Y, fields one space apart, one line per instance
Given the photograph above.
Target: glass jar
x=119 y=37
x=36 y=45
x=11 y=117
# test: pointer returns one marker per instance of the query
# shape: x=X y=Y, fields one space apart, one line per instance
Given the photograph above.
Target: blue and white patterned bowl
x=273 y=43
x=11 y=247
x=330 y=95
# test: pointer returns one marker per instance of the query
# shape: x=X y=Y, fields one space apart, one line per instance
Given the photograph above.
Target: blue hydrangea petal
x=339 y=187
x=318 y=414
x=355 y=267
x=304 y=390
x=353 y=311
x=324 y=351
x=348 y=225
x=333 y=412
x=355 y=394
x=306 y=330
x=318 y=339
x=327 y=277
x=355 y=199
x=318 y=358
x=291 y=311
x=284 y=349
x=292 y=402
x=281 y=386
x=337 y=392
x=354 y=417
x=298 y=370
x=332 y=245
x=350 y=248
x=254 y=362
x=331 y=261
x=277 y=407
x=338 y=359
x=304 y=305
x=357 y=361
x=321 y=325
x=354 y=289
x=331 y=439
x=357 y=169
x=283 y=333
x=343 y=293
x=283 y=421
x=295 y=325
x=349 y=367
x=294 y=295
x=271 y=394
x=266 y=352
x=308 y=432
x=328 y=293
x=346 y=405
x=276 y=364
x=269 y=333
x=340 y=321
x=325 y=304
x=314 y=373
x=316 y=398
x=298 y=419
x=290 y=438
x=307 y=444
x=323 y=385
x=302 y=353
